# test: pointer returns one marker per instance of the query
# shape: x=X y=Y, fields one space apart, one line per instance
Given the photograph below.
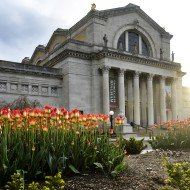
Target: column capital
x=105 y=69
x=150 y=76
x=174 y=80
x=121 y=72
x=136 y=74
x=162 y=78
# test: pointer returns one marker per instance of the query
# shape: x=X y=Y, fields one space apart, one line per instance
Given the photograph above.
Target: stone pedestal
x=127 y=128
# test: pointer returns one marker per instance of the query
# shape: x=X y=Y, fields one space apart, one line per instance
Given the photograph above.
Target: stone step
x=129 y=135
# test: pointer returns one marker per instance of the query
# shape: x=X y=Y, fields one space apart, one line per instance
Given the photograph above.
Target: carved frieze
x=113 y=55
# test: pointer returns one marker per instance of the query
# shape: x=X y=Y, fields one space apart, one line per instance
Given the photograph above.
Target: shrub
x=34 y=186
x=55 y=182
x=51 y=183
x=21 y=103
x=173 y=139
x=179 y=174
x=16 y=183
x=133 y=146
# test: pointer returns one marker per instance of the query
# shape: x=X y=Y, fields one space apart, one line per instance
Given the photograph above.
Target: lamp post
x=111 y=119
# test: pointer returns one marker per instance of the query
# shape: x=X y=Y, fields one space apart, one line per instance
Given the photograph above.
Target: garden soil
x=144 y=172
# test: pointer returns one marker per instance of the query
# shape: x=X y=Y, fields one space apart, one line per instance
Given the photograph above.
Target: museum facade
x=117 y=59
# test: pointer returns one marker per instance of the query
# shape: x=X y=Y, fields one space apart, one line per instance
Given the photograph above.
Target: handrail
x=144 y=127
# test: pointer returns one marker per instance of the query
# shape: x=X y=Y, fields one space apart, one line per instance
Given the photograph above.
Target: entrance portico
x=133 y=94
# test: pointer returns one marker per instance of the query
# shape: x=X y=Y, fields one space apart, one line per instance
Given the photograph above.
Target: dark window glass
x=145 y=50
x=121 y=43
x=133 y=42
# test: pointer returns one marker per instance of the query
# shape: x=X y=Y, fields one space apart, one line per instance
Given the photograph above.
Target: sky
x=24 y=24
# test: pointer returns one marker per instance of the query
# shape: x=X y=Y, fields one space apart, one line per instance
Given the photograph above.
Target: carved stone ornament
x=93 y=6
x=162 y=78
x=150 y=76
x=105 y=69
x=24 y=87
x=44 y=90
x=136 y=23
x=14 y=86
x=136 y=74
x=174 y=80
x=121 y=72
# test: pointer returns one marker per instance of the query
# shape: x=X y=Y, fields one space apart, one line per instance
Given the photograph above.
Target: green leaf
x=118 y=169
x=114 y=173
x=98 y=165
x=74 y=169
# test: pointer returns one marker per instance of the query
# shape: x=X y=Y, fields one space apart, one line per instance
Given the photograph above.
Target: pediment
x=38 y=53
x=58 y=37
x=132 y=8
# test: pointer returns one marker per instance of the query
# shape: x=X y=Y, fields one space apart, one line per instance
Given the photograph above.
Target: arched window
x=56 y=45
x=133 y=42
x=38 y=61
x=145 y=48
x=121 y=43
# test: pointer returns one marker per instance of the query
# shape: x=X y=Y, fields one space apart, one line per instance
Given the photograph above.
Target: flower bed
x=45 y=141
x=172 y=135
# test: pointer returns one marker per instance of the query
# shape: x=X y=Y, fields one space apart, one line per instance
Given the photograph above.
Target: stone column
x=180 y=110
x=174 y=99
x=162 y=100
x=136 y=99
x=150 y=100
x=130 y=98
x=121 y=90
x=143 y=102
x=105 y=98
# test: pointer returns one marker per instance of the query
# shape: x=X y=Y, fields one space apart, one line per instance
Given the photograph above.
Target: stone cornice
x=113 y=55
x=181 y=74
x=13 y=67
x=140 y=60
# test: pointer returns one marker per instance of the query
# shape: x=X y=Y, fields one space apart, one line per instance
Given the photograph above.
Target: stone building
x=116 y=59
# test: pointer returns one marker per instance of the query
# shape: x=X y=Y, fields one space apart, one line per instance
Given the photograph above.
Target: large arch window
x=145 y=49
x=121 y=42
x=133 y=42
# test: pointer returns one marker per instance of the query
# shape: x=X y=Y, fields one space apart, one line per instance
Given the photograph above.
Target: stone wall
x=36 y=83
x=77 y=82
